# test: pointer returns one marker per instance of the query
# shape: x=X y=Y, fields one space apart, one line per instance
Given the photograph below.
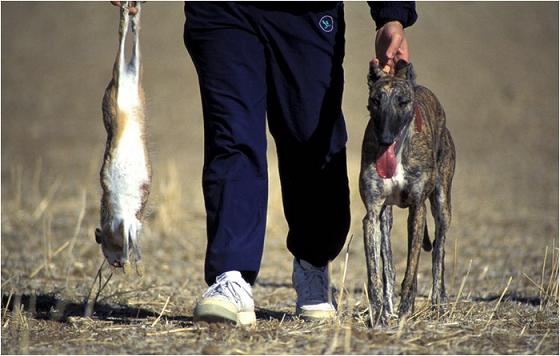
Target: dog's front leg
x=372 y=244
x=387 y=258
x=416 y=221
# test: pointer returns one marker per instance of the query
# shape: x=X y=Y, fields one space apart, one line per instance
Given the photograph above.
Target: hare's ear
x=375 y=72
x=98 y=235
x=405 y=71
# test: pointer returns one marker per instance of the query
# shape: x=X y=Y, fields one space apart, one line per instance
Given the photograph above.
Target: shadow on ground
x=50 y=307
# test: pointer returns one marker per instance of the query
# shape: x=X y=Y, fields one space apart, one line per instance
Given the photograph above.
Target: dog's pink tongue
x=386 y=163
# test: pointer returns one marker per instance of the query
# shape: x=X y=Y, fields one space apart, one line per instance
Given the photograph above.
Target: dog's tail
x=426 y=244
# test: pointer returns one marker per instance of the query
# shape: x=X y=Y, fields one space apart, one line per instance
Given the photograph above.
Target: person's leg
x=305 y=50
x=230 y=62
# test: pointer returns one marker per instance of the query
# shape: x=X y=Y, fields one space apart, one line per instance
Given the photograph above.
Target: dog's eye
x=375 y=101
x=403 y=102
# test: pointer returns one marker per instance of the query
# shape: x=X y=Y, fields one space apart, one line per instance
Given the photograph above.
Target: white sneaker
x=312 y=287
x=228 y=300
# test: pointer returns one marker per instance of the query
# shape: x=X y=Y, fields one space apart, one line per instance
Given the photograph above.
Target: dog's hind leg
x=416 y=223
x=440 y=201
x=441 y=217
x=372 y=244
x=387 y=258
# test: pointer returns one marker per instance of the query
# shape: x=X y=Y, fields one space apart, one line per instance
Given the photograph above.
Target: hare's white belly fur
x=128 y=170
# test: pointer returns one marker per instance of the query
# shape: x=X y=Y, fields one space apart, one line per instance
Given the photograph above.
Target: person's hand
x=131 y=8
x=390 y=46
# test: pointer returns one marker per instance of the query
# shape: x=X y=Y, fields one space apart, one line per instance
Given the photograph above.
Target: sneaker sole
x=315 y=315
x=222 y=312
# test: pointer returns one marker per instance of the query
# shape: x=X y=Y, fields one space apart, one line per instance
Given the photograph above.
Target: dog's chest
x=395 y=188
x=405 y=187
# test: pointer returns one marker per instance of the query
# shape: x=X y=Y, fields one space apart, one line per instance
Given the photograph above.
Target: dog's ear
x=375 y=72
x=404 y=70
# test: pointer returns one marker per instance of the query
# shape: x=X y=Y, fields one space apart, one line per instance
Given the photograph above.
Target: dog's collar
x=417 y=117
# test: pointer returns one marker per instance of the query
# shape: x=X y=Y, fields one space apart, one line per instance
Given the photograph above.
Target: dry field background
x=494 y=67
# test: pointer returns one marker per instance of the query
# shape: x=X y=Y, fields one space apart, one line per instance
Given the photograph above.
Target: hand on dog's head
x=403 y=70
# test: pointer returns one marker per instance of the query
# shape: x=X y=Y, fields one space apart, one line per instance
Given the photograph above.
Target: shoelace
x=227 y=288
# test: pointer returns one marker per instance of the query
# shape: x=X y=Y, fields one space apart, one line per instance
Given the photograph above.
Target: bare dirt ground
x=494 y=67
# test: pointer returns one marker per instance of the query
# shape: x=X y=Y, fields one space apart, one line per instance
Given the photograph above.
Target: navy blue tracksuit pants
x=281 y=62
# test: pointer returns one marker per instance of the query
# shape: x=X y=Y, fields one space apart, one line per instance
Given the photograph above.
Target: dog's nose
x=387 y=140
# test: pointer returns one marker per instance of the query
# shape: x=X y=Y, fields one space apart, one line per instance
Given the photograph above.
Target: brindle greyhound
x=408 y=156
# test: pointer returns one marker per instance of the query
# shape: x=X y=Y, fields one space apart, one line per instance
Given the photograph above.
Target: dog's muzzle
x=386 y=162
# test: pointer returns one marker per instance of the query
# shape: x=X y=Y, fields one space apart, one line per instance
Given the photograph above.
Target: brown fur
x=115 y=120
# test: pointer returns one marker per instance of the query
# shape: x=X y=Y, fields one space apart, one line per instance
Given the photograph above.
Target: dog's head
x=390 y=104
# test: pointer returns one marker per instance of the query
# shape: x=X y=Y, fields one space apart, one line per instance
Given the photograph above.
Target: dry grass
x=48 y=304
x=503 y=115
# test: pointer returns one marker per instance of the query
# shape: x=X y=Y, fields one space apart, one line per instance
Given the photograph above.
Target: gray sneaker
x=312 y=287
x=228 y=300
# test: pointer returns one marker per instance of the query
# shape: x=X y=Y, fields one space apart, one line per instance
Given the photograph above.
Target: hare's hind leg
x=134 y=65
x=123 y=30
